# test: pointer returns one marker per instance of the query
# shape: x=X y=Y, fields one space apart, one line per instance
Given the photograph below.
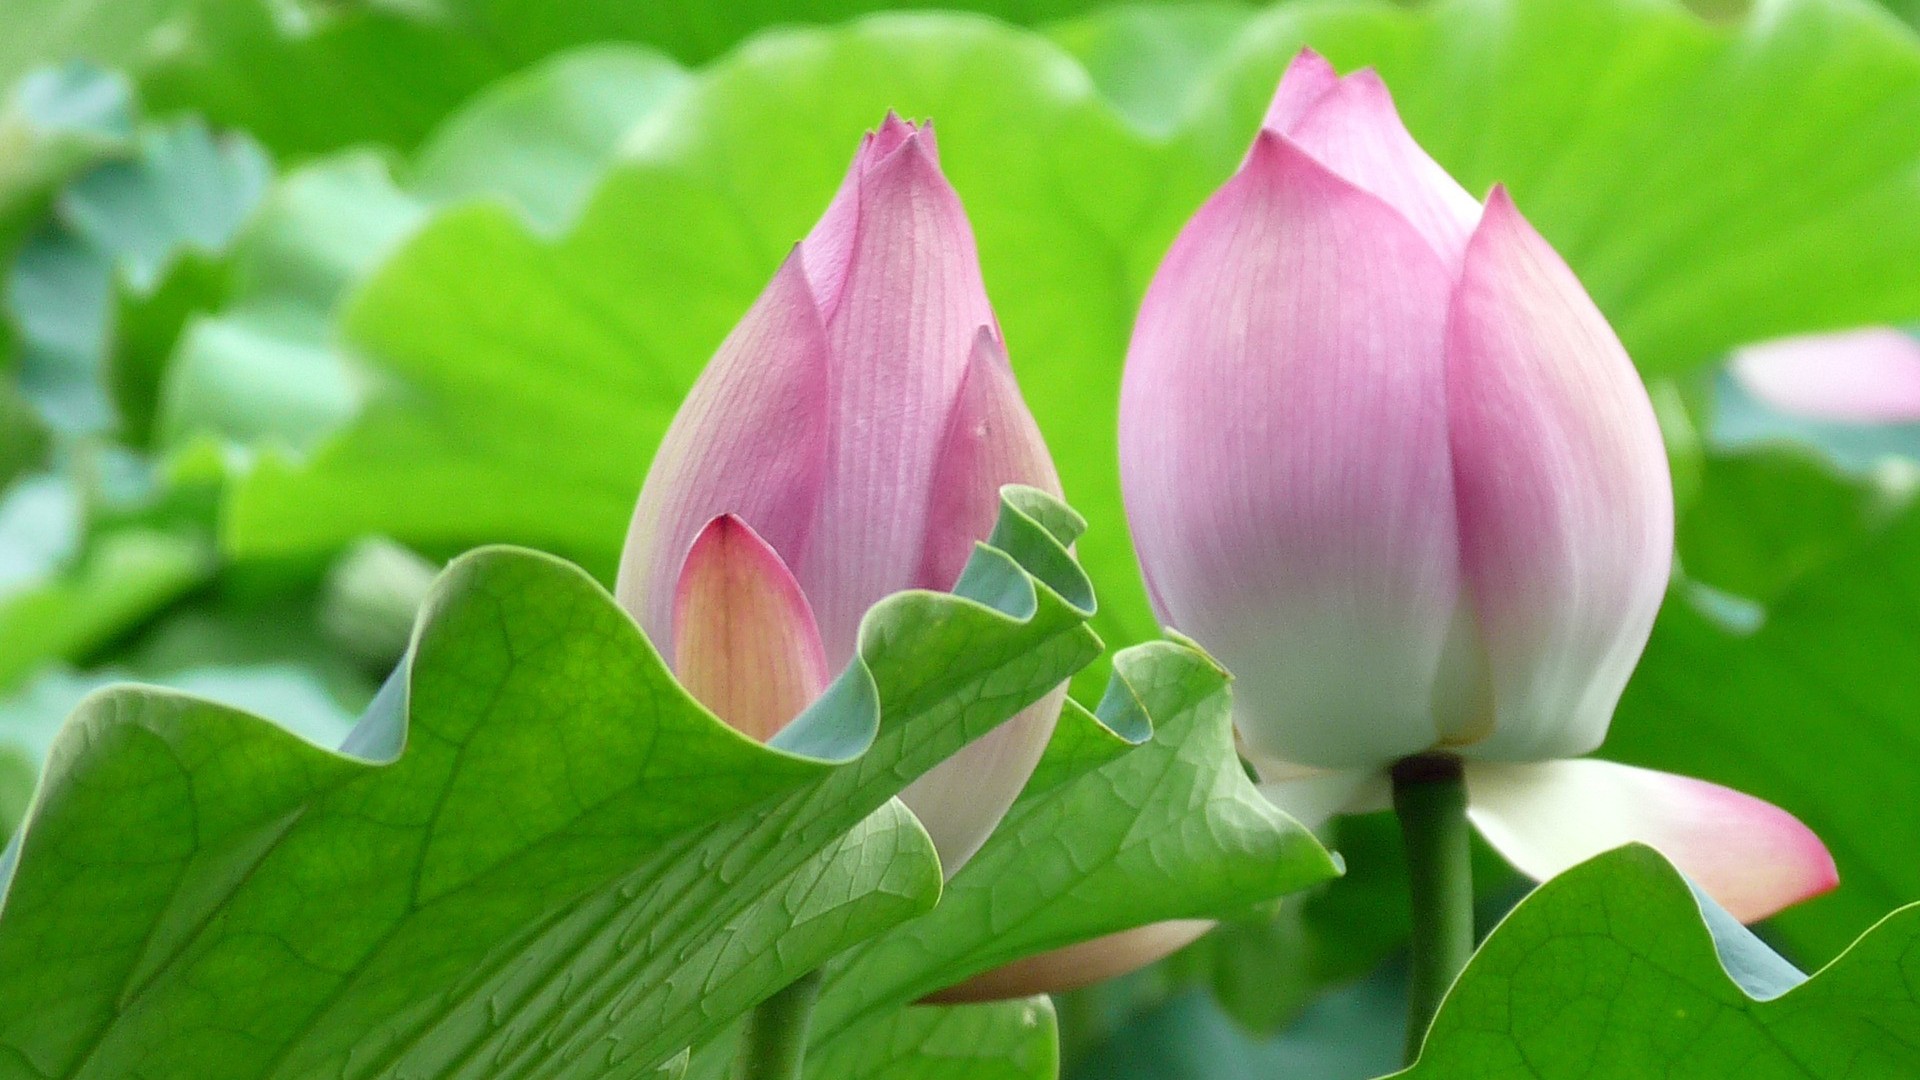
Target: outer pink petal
x=1307 y=79
x=991 y=441
x=750 y=440
x=900 y=338
x=1869 y=376
x=1565 y=502
x=830 y=244
x=1284 y=460
x=744 y=641
x=962 y=799
x=1354 y=130
x=1752 y=857
x=1075 y=966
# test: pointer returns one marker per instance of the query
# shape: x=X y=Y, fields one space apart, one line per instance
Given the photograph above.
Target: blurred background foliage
x=299 y=298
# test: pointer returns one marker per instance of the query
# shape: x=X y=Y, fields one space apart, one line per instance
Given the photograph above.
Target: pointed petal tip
x=1754 y=858
x=745 y=643
x=895 y=132
x=1306 y=80
x=991 y=440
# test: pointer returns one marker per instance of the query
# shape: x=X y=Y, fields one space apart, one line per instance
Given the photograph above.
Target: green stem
x=1430 y=799
x=775 y=1040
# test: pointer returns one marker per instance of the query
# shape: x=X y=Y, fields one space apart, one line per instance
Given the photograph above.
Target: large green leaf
x=1006 y=1040
x=544 y=138
x=1141 y=816
x=1103 y=839
x=506 y=871
x=1711 y=184
x=1610 y=971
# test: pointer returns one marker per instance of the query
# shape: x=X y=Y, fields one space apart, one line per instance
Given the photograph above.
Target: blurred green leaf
x=123 y=578
x=101 y=286
x=288 y=694
x=505 y=869
x=1156 y=65
x=1712 y=185
x=54 y=122
x=308 y=76
x=23 y=438
x=268 y=370
x=1765 y=518
x=1817 y=711
x=1608 y=971
x=1353 y=1032
x=543 y=139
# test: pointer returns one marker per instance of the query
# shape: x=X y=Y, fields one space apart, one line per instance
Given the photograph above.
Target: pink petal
x=1752 y=857
x=830 y=244
x=1565 y=502
x=749 y=440
x=900 y=336
x=1354 y=129
x=991 y=440
x=1284 y=458
x=961 y=800
x=1869 y=376
x=1075 y=966
x=744 y=642
x=1307 y=79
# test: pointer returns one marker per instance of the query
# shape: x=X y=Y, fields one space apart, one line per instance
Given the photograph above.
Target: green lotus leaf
x=1617 y=968
x=535 y=856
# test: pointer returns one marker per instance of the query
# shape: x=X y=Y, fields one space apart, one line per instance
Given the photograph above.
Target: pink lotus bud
x=1074 y=966
x=1385 y=458
x=1869 y=376
x=849 y=440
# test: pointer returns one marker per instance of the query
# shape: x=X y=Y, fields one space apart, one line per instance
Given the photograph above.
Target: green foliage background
x=299 y=293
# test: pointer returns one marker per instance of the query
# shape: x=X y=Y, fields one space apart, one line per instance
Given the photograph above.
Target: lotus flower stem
x=774 y=1043
x=1430 y=799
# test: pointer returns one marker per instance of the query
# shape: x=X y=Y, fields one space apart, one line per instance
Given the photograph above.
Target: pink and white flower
x=1384 y=457
x=848 y=440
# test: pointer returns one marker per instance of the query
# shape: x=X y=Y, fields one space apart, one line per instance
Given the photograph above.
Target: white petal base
x=1749 y=855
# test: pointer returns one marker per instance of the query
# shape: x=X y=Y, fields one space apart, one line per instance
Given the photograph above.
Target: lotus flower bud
x=1868 y=376
x=1384 y=457
x=1074 y=966
x=848 y=440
